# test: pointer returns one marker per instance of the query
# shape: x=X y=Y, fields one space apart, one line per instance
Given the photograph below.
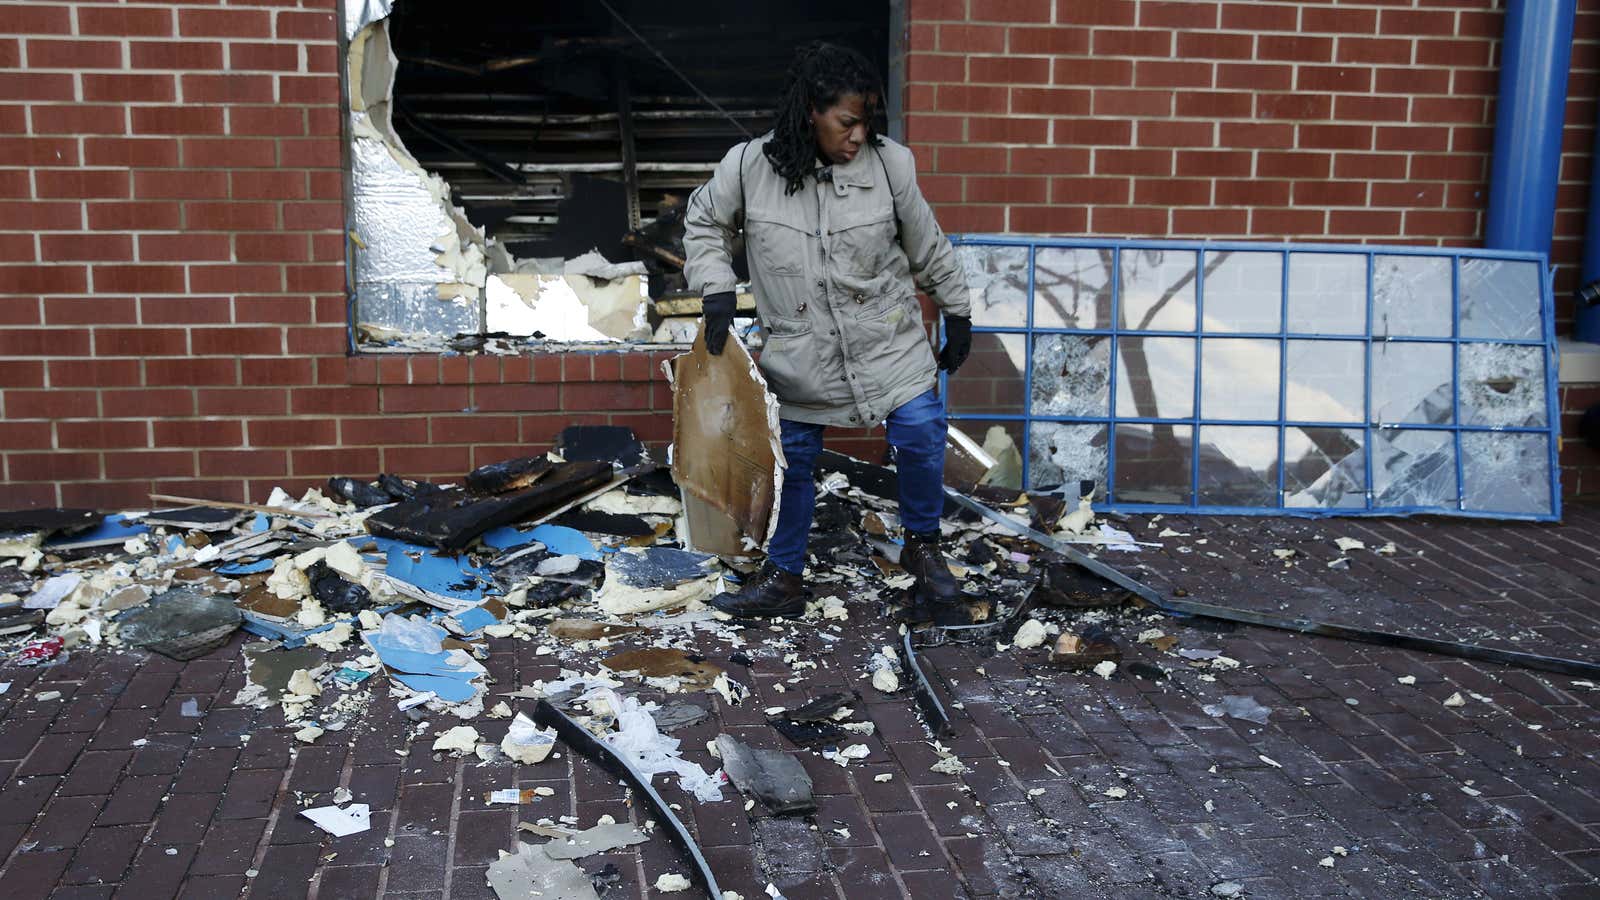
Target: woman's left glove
x=957 y=343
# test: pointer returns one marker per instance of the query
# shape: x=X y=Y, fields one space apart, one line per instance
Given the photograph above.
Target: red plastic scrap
x=40 y=651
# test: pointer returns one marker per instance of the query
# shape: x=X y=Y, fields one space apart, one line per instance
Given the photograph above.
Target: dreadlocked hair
x=820 y=74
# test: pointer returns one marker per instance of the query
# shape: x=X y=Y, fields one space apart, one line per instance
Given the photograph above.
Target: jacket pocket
x=862 y=241
x=789 y=363
x=774 y=247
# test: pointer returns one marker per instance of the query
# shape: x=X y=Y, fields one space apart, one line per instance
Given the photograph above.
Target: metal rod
x=1180 y=606
x=674 y=70
x=938 y=719
x=581 y=741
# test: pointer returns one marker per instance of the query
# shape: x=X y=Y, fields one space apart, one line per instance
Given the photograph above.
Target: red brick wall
x=1233 y=119
x=171 y=226
x=172 y=275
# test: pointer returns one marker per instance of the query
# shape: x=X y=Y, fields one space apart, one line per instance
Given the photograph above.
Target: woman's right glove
x=718 y=309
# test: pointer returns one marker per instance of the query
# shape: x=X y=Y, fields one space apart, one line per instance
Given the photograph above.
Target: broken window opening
x=519 y=176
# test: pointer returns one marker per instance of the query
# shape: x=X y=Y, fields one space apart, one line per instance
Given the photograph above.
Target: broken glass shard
x=1239 y=379
x=1414 y=469
x=1243 y=291
x=1066 y=453
x=1071 y=375
x=1325 y=381
x=1238 y=465
x=1158 y=290
x=1324 y=468
x=1505 y=472
x=1411 y=296
x=1153 y=463
x=1500 y=299
x=1155 y=377
x=1502 y=385
x=1072 y=287
x=1327 y=293
x=1411 y=383
x=991 y=379
x=997 y=276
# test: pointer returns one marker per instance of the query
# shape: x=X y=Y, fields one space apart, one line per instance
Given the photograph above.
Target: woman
x=839 y=239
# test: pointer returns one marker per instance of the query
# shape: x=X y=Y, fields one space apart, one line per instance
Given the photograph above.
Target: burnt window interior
x=559 y=129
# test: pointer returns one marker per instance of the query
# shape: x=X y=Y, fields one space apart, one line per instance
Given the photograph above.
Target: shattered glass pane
x=1072 y=287
x=1505 y=473
x=1153 y=463
x=1243 y=291
x=1502 y=385
x=991 y=378
x=1239 y=379
x=1001 y=441
x=1325 y=380
x=1238 y=465
x=1500 y=299
x=1414 y=469
x=1327 y=293
x=1411 y=296
x=1324 y=468
x=998 y=280
x=1155 y=377
x=1158 y=290
x=1411 y=383
x=1071 y=375
x=1066 y=453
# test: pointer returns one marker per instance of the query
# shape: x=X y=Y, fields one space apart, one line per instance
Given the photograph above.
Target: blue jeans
x=917 y=433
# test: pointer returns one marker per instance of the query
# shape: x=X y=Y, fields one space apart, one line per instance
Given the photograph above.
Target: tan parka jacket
x=834 y=268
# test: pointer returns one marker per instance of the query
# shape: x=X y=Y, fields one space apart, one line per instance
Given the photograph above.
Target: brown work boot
x=923 y=562
x=769 y=593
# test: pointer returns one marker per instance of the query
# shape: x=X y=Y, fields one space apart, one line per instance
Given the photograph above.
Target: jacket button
x=817 y=232
x=860 y=298
x=819 y=282
x=852 y=418
x=802 y=308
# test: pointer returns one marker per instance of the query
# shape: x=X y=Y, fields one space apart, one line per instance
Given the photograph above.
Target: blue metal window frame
x=1028 y=331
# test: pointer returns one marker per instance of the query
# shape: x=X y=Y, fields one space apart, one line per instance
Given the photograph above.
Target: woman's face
x=841 y=129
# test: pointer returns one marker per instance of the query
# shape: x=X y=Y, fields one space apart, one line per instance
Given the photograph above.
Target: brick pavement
x=110 y=791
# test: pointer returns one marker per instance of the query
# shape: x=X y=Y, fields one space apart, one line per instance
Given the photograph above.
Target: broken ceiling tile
x=771 y=776
x=727 y=451
x=651 y=578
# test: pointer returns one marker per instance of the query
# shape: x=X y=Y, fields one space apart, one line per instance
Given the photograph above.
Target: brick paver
x=110 y=791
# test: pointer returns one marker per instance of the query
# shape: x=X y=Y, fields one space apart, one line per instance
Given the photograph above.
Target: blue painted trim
x=1530 y=111
x=1197 y=420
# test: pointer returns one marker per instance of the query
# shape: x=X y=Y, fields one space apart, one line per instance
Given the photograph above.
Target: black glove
x=957 y=343
x=718 y=309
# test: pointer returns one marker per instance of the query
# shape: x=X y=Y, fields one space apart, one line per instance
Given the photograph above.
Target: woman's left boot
x=925 y=564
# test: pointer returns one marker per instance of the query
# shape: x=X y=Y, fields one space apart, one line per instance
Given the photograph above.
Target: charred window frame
x=485 y=157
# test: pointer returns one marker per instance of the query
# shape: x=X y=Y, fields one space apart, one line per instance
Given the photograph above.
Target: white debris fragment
x=671 y=883
x=950 y=765
x=1115 y=793
x=1227 y=889
x=47 y=695
x=1471 y=792
x=1388 y=549
x=526 y=743
x=1326 y=862
x=1346 y=544
x=882 y=777
x=1284 y=553
x=1455 y=700
x=1105 y=668
x=309 y=734
x=331 y=638
x=1031 y=634
x=500 y=710
x=1340 y=851
x=311 y=614
x=301 y=684
x=833 y=608
x=885 y=680
x=1407 y=679
x=1269 y=761
x=459 y=740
